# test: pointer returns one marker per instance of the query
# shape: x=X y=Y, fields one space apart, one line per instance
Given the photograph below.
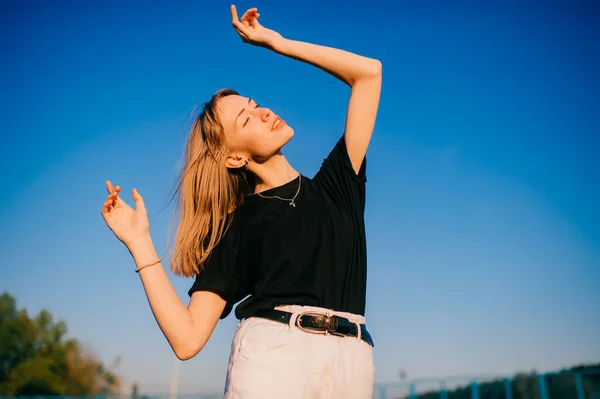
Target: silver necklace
x=291 y=201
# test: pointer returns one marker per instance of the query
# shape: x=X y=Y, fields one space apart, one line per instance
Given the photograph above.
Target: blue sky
x=483 y=175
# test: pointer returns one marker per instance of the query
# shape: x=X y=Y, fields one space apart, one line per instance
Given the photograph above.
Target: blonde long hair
x=207 y=191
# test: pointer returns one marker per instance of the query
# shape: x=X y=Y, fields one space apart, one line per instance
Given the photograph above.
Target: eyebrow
x=243 y=109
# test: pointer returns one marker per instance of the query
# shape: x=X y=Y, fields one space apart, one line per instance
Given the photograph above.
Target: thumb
x=139 y=201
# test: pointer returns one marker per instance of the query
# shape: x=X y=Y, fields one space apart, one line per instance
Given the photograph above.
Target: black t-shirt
x=313 y=254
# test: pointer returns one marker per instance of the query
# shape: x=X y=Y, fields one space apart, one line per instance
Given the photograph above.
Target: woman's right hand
x=125 y=222
x=251 y=31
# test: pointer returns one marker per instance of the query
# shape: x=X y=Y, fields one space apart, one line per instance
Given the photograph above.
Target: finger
x=254 y=21
x=234 y=16
x=139 y=201
x=110 y=188
x=107 y=203
x=247 y=17
x=106 y=208
x=116 y=198
x=249 y=13
x=104 y=211
x=110 y=201
x=113 y=197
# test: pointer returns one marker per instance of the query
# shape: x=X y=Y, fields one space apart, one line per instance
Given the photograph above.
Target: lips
x=277 y=124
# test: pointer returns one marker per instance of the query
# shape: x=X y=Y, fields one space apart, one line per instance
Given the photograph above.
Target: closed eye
x=248 y=118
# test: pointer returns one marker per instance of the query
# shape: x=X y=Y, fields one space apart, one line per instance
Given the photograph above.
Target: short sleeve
x=338 y=178
x=223 y=274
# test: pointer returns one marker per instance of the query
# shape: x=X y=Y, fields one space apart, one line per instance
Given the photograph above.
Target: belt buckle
x=330 y=324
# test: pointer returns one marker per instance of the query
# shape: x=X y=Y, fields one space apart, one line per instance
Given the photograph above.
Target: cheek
x=259 y=136
x=258 y=140
x=250 y=139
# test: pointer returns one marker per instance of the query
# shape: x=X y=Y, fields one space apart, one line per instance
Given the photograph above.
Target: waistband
x=297 y=309
x=319 y=321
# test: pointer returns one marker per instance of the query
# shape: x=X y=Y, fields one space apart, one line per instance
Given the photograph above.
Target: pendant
x=293 y=204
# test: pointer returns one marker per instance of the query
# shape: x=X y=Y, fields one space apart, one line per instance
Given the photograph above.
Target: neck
x=275 y=172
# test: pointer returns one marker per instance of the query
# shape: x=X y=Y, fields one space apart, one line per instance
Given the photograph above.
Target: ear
x=236 y=161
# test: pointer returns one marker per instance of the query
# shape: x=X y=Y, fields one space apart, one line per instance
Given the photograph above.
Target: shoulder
x=338 y=166
x=339 y=179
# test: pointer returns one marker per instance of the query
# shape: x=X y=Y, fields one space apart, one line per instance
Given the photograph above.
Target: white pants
x=276 y=360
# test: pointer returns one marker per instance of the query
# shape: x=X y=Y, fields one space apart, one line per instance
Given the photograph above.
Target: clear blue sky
x=483 y=201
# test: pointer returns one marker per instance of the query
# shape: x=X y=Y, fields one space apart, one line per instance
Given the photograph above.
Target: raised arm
x=362 y=74
x=186 y=329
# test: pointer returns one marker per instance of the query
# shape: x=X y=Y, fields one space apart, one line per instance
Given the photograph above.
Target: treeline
x=526 y=386
x=36 y=358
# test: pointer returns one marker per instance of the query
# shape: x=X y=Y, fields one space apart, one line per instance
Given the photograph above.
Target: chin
x=286 y=134
x=279 y=138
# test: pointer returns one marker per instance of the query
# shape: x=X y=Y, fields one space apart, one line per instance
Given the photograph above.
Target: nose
x=265 y=114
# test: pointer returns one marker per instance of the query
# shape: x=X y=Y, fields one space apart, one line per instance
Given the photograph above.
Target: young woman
x=252 y=228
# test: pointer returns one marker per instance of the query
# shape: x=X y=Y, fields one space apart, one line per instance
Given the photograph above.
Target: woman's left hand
x=251 y=31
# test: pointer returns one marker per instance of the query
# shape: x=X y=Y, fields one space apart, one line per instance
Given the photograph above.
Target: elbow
x=375 y=68
x=186 y=352
x=370 y=72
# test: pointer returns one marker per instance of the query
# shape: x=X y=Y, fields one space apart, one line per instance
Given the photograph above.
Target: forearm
x=346 y=66
x=169 y=311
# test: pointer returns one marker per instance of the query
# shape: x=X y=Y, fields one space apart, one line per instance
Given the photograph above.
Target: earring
x=246 y=164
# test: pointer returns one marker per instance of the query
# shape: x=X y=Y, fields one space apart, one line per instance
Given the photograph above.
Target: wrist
x=142 y=250
x=279 y=45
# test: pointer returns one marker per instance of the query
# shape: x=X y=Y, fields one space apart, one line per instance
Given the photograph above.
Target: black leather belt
x=318 y=323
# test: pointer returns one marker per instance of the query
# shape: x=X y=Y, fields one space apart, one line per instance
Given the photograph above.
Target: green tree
x=37 y=359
